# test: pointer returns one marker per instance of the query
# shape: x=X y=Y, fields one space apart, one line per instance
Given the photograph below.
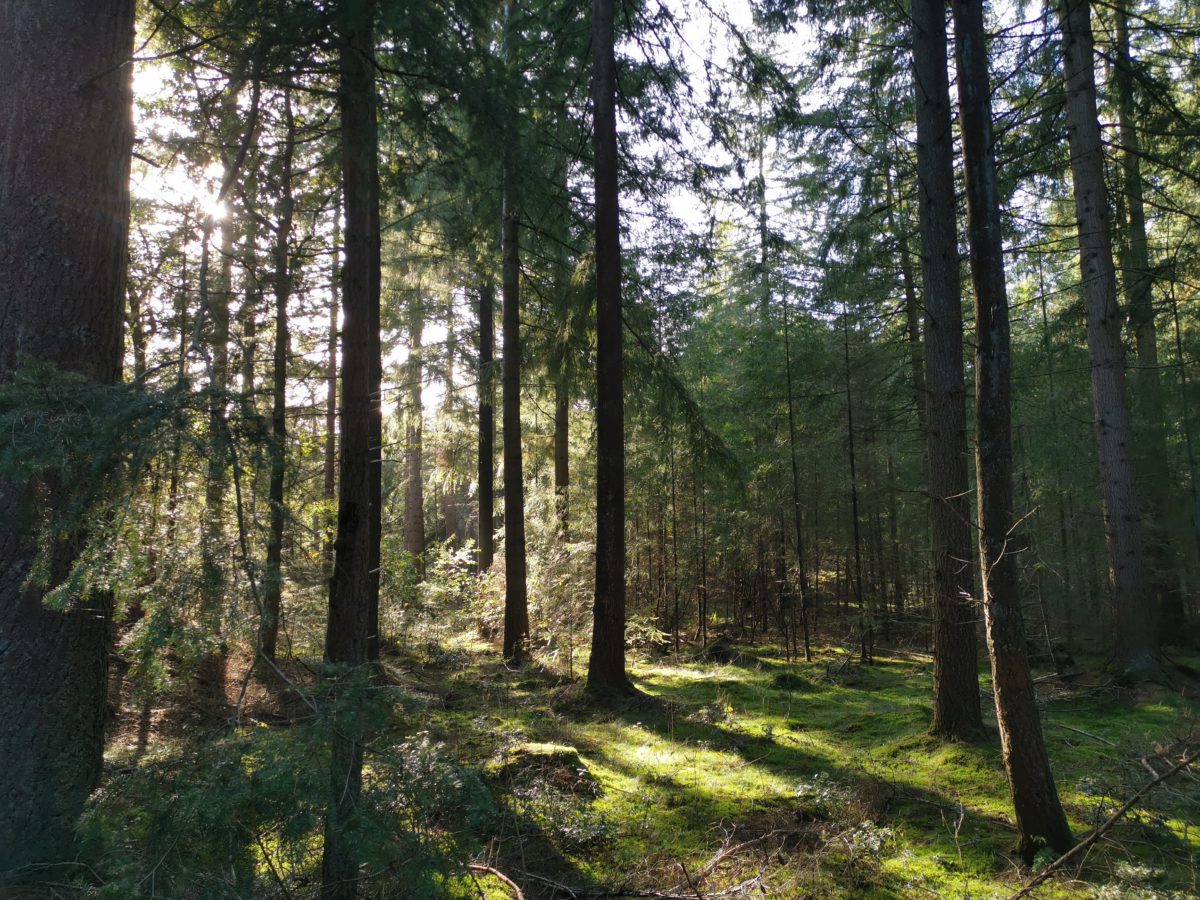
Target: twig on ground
x=518 y=894
x=1094 y=737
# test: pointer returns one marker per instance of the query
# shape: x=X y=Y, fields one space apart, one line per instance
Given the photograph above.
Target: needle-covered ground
x=754 y=777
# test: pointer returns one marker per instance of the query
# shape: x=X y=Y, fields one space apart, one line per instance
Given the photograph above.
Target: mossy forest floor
x=767 y=778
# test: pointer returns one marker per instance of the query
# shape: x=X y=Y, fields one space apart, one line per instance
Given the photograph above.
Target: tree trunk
x=1040 y=818
x=1151 y=433
x=1186 y=420
x=414 y=477
x=445 y=456
x=487 y=424
x=956 y=711
x=329 y=473
x=606 y=670
x=912 y=306
x=797 y=516
x=215 y=484
x=350 y=588
x=251 y=297
x=1135 y=629
x=516 y=602
x=375 y=388
x=865 y=629
x=562 y=454
x=899 y=588
x=273 y=577
x=64 y=213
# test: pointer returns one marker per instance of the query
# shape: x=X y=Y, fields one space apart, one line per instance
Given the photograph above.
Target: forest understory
x=735 y=772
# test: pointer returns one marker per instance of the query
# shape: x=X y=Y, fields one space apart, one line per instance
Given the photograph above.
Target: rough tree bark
x=347 y=630
x=956 y=710
x=1135 y=616
x=1040 y=818
x=606 y=670
x=66 y=135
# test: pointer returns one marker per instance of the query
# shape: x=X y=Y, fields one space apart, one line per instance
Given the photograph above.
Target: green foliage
x=242 y=813
x=83 y=449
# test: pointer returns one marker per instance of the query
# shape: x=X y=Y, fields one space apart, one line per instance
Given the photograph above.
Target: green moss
x=834 y=786
x=723 y=752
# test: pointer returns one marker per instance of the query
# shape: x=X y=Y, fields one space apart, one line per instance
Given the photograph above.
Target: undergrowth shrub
x=242 y=815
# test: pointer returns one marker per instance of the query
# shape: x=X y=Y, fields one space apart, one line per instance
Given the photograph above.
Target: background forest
x=666 y=449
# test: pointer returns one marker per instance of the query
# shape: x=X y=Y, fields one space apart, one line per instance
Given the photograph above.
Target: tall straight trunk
x=912 y=307
x=64 y=211
x=181 y=311
x=865 y=635
x=899 y=587
x=273 y=577
x=487 y=424
x=1186 y=420
x=562 y=454
x=414 y=476
x=445 y=459
x=251 y=296
x=329 y=473
x=675 y=610
x=216 y=480
x=375 y=419
x=1040 y=818
x=137 y=334
x=516 y=601
x=956 y=709
x=1135 y=615
x=1068 y=561
x=606 y=670
x=350 y=600
x=797 y=515
x=1151 y=423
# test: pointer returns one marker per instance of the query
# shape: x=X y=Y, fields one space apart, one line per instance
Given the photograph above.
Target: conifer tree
x=956 y=712
x=1040 y=817
x=1135 y=615
x=606 y=671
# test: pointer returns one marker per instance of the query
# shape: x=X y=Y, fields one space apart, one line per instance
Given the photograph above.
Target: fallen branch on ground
x=496 y=873
x=1049 y=870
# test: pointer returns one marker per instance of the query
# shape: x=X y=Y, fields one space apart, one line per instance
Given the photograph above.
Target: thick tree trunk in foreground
x=606 y=670
x=1040 y=818
x=64 y=210
x=516 y=601
x=487 y=424
x=956 y=712
x=273 y=577
x=1135 y=621
x=347 y=632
